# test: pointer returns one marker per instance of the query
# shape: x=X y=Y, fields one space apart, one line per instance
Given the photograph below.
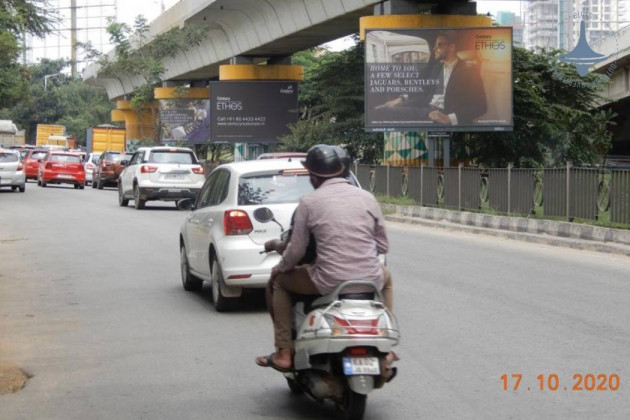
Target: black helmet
x=345 y=160
x=325 y=161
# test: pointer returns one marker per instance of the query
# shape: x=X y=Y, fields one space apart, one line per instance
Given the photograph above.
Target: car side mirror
x=39 y=160
x=186 y=204
x=124 y=162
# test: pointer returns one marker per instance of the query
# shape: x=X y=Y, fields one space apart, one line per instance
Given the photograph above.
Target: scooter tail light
x=236 y=222
x=345 y=326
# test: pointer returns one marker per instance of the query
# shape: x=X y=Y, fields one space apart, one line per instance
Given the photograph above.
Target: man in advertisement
x=463 y=98
x=460 y=97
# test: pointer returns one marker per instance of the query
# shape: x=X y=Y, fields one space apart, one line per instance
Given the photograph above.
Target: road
x=91 y=305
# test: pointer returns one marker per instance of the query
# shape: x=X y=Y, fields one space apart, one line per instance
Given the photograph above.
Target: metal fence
x=569 y=193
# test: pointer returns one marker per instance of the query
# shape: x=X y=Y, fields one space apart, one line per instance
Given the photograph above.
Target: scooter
x=342 y=343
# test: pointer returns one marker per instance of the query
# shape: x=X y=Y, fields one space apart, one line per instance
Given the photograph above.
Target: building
x=556 y=23
x=504 y=18
x=77 y=21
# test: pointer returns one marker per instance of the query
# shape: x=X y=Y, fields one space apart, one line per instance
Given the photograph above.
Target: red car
x=31 y=162
x=61 y=168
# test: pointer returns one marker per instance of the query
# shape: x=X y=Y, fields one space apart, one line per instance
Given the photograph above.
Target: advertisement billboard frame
x=405 y=120
x=252 y=116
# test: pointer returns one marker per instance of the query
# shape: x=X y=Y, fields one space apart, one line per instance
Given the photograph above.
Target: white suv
x=160 y=173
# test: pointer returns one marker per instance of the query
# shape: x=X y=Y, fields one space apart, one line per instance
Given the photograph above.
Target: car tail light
x=48 y=166
x=198 y=169
x=236 y=222
x=148 y=169
x=20 y=166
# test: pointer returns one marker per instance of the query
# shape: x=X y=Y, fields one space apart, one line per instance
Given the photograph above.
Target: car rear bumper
x=167 y=193
x=63 y=179
x=243 y=265
x=15 y=179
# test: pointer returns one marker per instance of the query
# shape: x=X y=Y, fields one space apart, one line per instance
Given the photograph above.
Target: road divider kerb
x=572 y=235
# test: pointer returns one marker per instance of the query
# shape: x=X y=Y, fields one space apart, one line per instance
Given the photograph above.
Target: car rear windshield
x=169 y=156
x=38 y=155
x=8 y=157
x=272 y=189
x=112 y=156
x=65 y=158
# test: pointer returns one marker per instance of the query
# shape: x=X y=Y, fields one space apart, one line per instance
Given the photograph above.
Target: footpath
x=566 y=234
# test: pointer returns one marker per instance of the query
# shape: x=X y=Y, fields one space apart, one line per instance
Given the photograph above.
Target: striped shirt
x=349 y=230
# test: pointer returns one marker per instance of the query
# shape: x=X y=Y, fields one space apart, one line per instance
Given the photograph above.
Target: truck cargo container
x=44 y=131
x=102 y=138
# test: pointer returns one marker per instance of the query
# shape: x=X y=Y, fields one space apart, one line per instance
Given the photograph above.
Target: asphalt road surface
x=91 y=306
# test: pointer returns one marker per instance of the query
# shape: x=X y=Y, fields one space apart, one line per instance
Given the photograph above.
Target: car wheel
x=122 y=201
x=39 y=183
x=221 y=303
x=93 y=184
x=138 y=202
x=99 y=184
x=76 y=186
x=23 y=188
x=43 y=184
x=81 y=187
x=190 y=282
x=13 y=187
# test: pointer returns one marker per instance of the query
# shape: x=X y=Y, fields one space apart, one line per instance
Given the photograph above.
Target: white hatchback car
x=160 y=173
x=221 y=240
x=90 y=163
x=12 y=170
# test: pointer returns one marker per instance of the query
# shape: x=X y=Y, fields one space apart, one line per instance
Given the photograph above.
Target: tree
x=331 y=104
x=65 y=101
x=137 y=55
x=554 y=116
x=554 y=119
x=17 y=17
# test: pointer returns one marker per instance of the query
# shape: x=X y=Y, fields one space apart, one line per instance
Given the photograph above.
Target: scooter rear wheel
x=353 y=407
x=294 y=387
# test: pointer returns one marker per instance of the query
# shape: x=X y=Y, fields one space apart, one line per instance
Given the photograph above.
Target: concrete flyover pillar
x=138 y=125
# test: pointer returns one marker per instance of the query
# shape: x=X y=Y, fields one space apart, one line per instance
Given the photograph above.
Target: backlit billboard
x=438 y=79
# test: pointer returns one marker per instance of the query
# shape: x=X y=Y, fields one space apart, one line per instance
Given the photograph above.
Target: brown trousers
x=297 y=281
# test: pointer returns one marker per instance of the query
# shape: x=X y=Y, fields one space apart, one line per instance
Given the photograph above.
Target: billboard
x=185 y=120
x=438 y=79
x=252 y=111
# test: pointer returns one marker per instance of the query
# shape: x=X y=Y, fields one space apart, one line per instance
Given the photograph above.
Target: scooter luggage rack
x=333 y=300
x=333 y=296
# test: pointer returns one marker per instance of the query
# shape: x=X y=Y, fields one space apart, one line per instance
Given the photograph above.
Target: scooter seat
x=357 y=296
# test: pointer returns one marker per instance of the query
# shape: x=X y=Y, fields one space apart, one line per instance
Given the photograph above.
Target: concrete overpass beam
x=396 y=7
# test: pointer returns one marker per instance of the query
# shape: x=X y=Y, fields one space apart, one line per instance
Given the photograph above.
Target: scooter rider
x=349 y=230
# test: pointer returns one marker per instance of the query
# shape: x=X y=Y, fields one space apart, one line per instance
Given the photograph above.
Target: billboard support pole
x=446 y=147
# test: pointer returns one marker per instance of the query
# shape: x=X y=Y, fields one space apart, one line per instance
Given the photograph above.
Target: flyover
x=244 y=33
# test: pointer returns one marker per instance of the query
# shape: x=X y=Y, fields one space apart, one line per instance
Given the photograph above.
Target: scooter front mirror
x=263 y=215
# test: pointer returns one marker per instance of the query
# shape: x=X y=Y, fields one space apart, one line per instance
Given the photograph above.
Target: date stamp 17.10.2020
x=589 y=382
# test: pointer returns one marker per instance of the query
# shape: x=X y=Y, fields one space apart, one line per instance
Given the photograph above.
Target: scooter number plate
x=361 y=366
